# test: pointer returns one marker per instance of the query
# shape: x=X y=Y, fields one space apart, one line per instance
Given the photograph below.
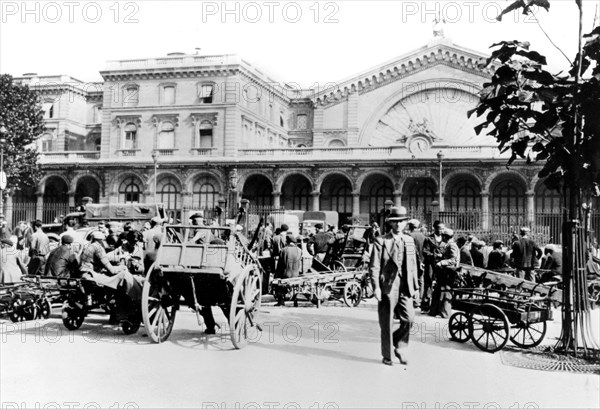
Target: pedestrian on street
x=319 y=242
x=62 y=261
x=525 y=254
x=432 y=253
x=445 y=272
x=38 y=250
x=465 y=254
x=394 y=271
x=497 y=258
x=152 y=239
x=419 y=238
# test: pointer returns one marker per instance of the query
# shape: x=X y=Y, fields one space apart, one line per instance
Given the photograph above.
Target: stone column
x=276 y=199
x=530 y=207
x=355 y=205
x=315 y=202
x=397 y=198
x=71 y=195
x=485 y=210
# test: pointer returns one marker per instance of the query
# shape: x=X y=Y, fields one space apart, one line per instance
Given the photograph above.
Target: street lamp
x=3 y=132
x=155 y=155
x=440 y=157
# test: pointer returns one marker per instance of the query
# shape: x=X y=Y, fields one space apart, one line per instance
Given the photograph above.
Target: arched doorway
x=417 y=196
x=87 y=187
x=508 y=204
x=548 y=213
x=258 y=190
x=169 y=195
x=462 y=203
x=56 y=199
x=336 y=195
x=295 y=193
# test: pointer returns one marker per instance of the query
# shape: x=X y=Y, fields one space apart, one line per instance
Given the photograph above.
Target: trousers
x=400 y=300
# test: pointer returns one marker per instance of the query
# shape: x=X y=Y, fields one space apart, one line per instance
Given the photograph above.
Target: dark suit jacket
x=525 y=252
x=388 y=256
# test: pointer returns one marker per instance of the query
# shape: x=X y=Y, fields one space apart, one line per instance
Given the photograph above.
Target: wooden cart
x=204 y=266
x=493 y=308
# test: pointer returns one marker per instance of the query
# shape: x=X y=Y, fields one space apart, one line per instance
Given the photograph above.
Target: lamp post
x=440 y=157
x=233 y=181
x=3 y=132
x=155 y=159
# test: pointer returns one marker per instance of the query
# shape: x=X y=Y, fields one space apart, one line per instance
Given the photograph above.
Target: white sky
x=367 y=33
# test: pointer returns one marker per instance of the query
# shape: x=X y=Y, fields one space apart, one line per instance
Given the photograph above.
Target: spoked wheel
x=528 y=334
x=159 y=306
x=245 y=306
x=21 y=310
x=72 y=316
x=458 y=326
x=352 y=293
x=44 y=308
x=489 y=328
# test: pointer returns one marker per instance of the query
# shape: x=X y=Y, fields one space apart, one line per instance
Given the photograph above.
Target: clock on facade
x=418 y=144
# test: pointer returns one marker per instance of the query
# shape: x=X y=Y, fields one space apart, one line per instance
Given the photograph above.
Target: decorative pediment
x=158 y=119
x=441 y=51
x=205 y=116
x=122 y=120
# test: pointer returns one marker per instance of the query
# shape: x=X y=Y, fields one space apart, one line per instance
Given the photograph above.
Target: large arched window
x=129 y=191
x=464 y=195
x=378 y=194
x=205 y=193
x=546 y=200
x=166 y=137
x=130 y=137
x=168 y=194
x=508 y=195
x=300 y=197
x=341 y=199
x=420 y=194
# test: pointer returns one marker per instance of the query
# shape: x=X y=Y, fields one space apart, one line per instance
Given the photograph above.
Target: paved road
x=305 y=357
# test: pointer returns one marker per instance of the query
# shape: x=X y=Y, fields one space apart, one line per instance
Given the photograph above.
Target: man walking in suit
x=394 y=271
x=524 y=255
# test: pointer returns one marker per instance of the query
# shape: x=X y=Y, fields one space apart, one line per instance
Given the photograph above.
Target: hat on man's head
x=414 y=222
x=525 y=229
x=448 y=232
x=285 y=227
x=388 y=203
x=397 y=214
x=197 y=215
x=66 y=239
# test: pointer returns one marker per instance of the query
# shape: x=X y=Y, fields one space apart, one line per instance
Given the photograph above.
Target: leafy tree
x=22 y=116
x=554 y=119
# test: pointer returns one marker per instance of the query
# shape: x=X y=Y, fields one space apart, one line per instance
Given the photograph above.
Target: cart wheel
x=338 y=267
x=44 y=308
x=15 y=310
x=458 y=325
x=72 y=316
x=130 y=328
x=489 y=328
x=159 y=306
x=245 y=305
x=528 y=334
x=352 y=293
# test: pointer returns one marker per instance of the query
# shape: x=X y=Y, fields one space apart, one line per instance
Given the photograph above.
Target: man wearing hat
x=320 y=242
x=524 y=255
x=62 y=261
x=419 y=238
x=290 y=262
x=152 y=238
x=444 y=276
x=384 y=214
x=394 y=271
x=497 y=257
x=200 y=235
x=38 y=249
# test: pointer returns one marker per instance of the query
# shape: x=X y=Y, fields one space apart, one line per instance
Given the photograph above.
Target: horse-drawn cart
x=493 y=307
x=204 y=266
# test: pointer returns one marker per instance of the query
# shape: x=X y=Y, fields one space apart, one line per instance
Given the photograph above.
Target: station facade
x=192 y=130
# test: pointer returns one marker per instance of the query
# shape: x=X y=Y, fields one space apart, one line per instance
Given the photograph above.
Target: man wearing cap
x=432 y=253
x=62 y=261
x=38 y=249
x=152 y=238
x=383 y=215
x=497 y=257
x=78 y=240
x=200 y=235
x=279 y=243
x=394 y=271
x=320 y=242
x=524 y=255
